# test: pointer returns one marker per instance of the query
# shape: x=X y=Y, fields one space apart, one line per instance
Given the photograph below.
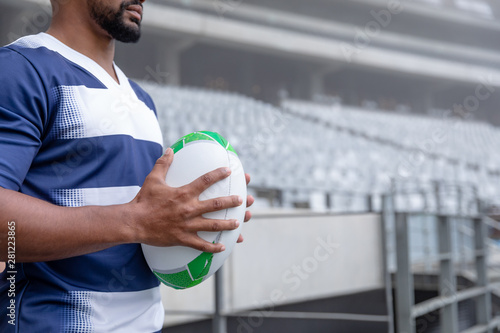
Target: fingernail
x=167 y=152
x=240 y=200
x=236 y=224
x=222 y=248
x=228 y=170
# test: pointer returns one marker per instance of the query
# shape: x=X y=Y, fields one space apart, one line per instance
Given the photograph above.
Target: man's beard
x=113 y=22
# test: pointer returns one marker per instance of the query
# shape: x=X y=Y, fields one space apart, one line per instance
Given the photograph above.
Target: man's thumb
x=162 y=164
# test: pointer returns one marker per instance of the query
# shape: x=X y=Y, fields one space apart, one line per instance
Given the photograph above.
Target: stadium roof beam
x=348 y=32
x=307 y=46
x=319 y=49
x=450 y=14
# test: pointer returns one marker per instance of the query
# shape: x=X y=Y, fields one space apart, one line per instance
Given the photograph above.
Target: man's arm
x=159 y=215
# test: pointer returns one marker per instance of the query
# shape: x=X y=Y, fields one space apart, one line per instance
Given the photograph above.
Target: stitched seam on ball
x=198 y=141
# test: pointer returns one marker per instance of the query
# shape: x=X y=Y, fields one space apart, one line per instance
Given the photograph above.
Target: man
x=78 y=141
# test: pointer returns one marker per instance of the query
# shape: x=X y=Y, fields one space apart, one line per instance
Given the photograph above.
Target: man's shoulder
x=18 y=75
x=14 y=56
x=30 y=49
x=28 y=56
x=27 y=42
x=43 y=55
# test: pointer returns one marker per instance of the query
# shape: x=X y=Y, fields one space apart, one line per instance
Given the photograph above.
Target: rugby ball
x=195 y=154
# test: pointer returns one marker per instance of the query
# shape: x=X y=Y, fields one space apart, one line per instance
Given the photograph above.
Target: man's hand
x=168 y=216
x=158 y=215
x=248 y=214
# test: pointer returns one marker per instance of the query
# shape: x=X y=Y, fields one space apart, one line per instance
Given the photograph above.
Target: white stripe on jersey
x=89 y=112
x=102 y=196
x=116 y=312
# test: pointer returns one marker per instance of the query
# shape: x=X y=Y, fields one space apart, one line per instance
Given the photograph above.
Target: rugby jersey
x=73 y=136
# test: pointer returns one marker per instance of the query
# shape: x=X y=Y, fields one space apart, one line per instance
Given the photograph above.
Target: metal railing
x=220 y=315
x=448 y=295
x=461 y=249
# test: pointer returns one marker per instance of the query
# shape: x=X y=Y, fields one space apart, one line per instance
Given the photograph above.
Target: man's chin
x=129 y=39
x=130 y=32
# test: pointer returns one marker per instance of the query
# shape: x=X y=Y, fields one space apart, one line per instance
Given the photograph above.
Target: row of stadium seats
x=332 y=157
x=427 y=148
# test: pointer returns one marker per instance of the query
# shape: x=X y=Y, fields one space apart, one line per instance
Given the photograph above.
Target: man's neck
x=96 y=46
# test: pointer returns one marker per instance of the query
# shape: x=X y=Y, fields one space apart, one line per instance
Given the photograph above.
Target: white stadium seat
x=308 y=148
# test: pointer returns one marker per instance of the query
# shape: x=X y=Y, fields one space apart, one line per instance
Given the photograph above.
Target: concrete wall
x=288 y=259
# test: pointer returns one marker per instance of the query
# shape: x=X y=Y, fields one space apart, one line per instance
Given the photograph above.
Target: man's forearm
x=159 y=215
x=46 y=232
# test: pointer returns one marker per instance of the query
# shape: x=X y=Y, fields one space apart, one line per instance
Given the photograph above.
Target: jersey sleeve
x=23 y=112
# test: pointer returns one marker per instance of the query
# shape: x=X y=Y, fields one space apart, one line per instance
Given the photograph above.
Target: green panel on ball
x=180 y=280
x=231 y=149
x=193 y=275
x=220 y=139
x=200 y=266
x=177 y=146
x=196 y=136
x=199 y=136
x=216 y=137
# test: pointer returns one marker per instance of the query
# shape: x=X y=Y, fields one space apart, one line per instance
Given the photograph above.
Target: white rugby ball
x=195 y=154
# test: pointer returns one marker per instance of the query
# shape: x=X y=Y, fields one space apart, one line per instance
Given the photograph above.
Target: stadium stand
x=356 y=152
x=334 y=106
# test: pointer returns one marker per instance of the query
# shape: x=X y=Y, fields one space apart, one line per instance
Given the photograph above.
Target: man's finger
x=247 y=178
x=240 y=239
x=216 y=204
x=208 y=179
x=248 y=216
x=204 y=224
x=162 y=164
x=250 y=200
x=213 y=205
x=200 y=244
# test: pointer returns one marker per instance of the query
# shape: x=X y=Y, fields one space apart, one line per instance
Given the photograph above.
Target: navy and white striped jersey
x=73 y=136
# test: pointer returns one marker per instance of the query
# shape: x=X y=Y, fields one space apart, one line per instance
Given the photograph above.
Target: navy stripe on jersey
x=129 y=271
x=77 y=163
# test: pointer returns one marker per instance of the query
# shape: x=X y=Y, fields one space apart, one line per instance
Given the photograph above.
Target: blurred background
x=370 y=129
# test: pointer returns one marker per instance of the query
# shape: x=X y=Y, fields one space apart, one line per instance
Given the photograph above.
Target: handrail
x=492 y=223
x=438 y=302
x=316 y=315
x=449 y=297
x=484 y=328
